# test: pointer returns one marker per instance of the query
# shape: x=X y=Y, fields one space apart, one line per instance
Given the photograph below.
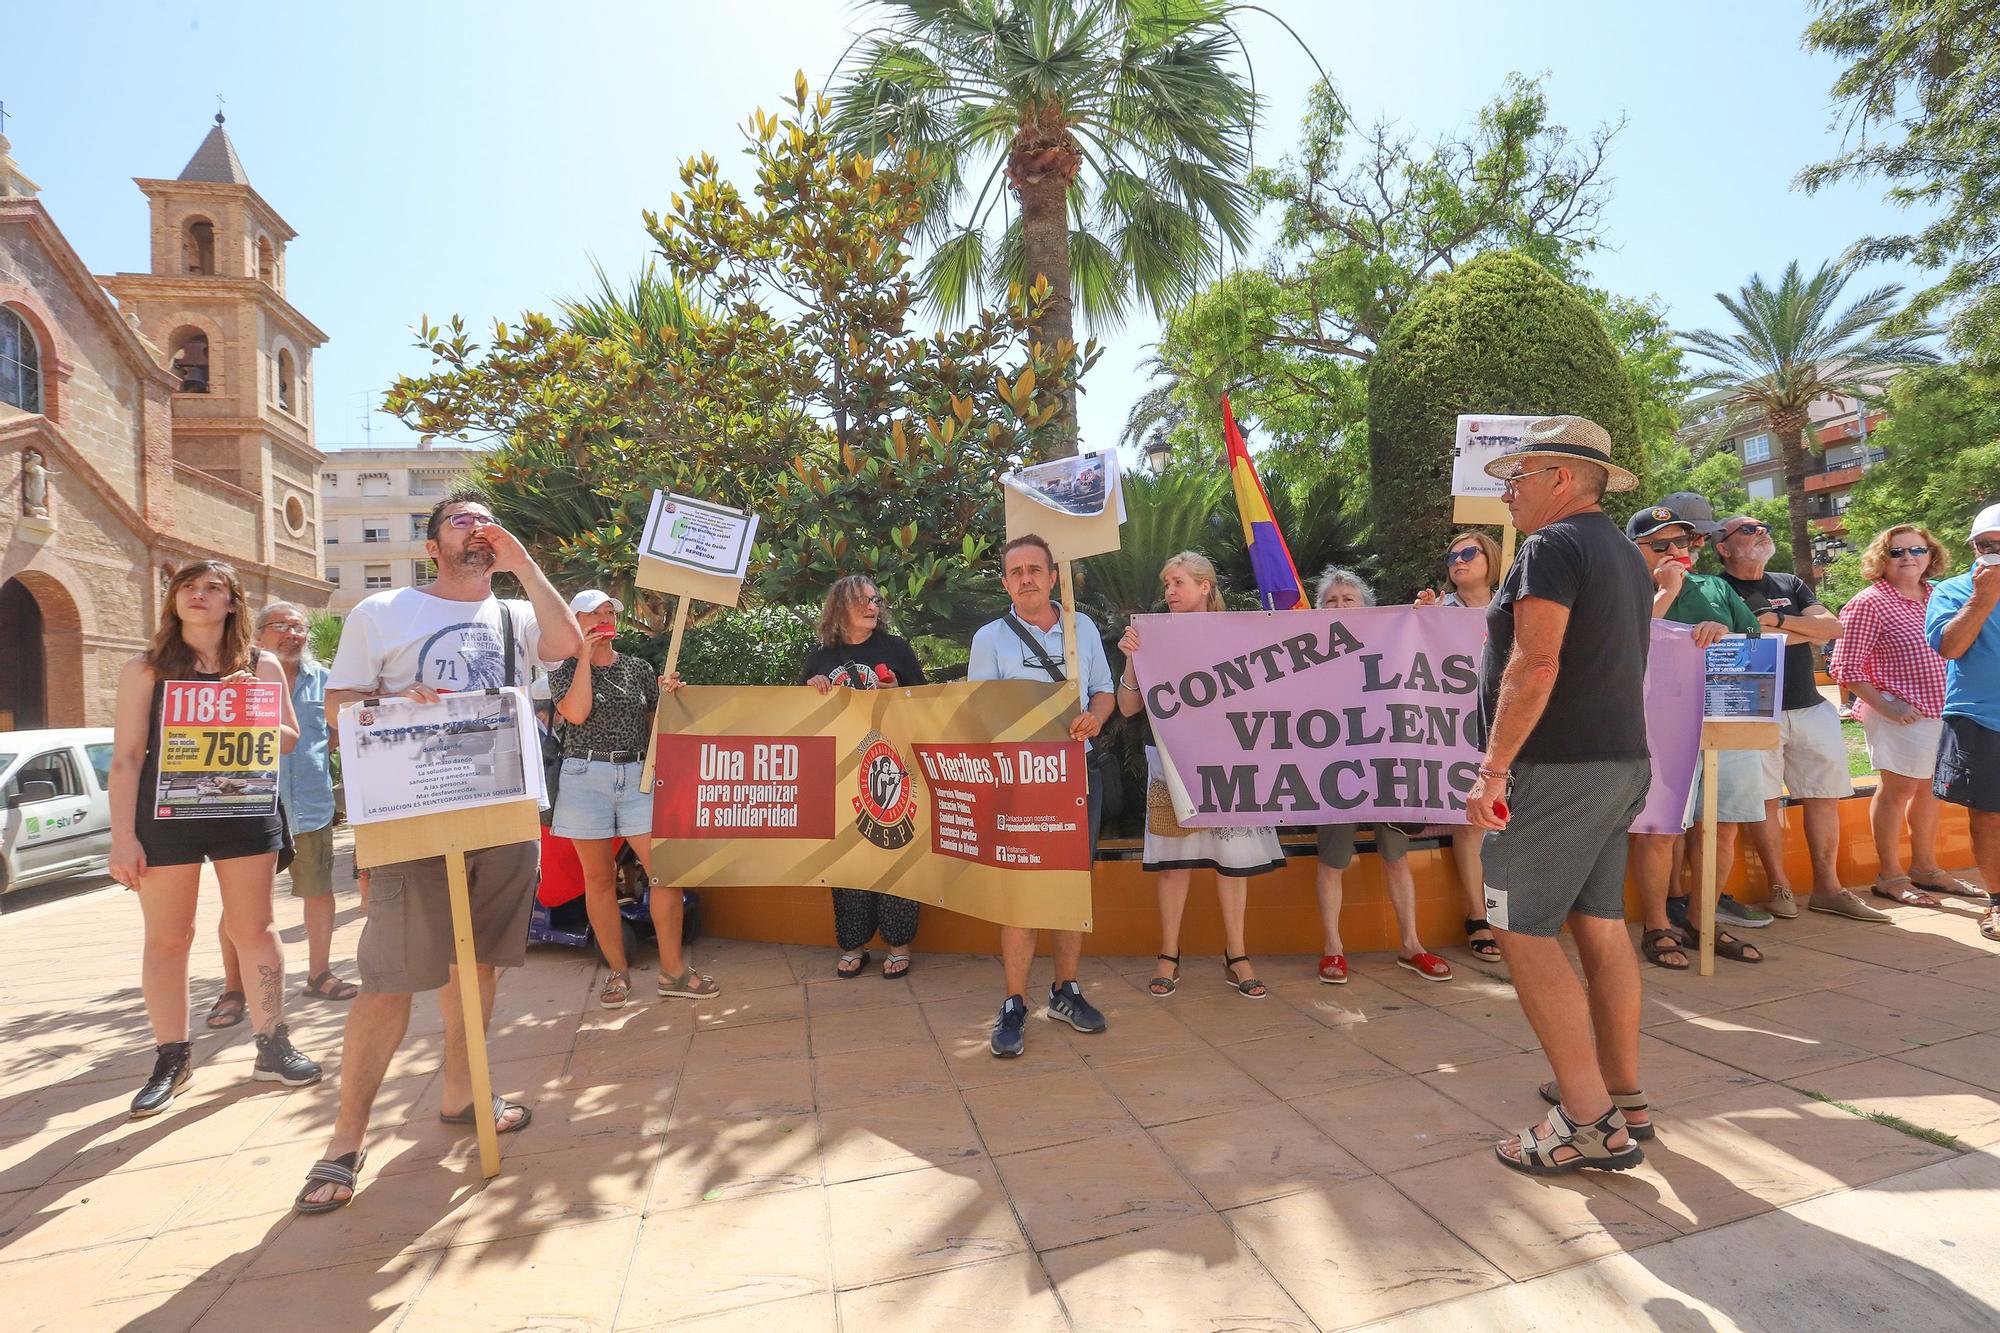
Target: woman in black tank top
x=204 y=635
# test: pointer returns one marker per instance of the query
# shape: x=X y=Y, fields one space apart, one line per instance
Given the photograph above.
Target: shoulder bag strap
x=1039 y=658
x=507 y=633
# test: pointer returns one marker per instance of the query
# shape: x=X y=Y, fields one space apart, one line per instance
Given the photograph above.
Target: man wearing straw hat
x=1566 y=770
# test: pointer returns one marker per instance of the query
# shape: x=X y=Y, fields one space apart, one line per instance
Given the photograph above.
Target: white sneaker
x=1846 y=903
x=1782 y=904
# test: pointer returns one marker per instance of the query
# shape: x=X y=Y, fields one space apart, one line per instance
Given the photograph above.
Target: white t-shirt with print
x=406 y=637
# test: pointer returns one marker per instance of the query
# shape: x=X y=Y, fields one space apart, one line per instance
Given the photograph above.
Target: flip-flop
x=860 y=961
x=890 y=970
x=1901 y=889
x=500 y=1108
x=220 y=1017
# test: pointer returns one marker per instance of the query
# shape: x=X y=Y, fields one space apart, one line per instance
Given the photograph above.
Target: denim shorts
x=600 y=799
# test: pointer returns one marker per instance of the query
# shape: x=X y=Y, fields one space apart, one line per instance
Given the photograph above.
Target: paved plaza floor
x=806 y=1153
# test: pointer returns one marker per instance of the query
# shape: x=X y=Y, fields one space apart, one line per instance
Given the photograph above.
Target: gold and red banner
x=968 y=796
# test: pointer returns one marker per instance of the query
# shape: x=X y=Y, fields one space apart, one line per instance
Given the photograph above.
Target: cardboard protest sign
x=1321 y=717
x=696 y=549
x=1478 y=441
x=967 y=796
x=218 y=749
x=1074 y=504
x=401 y=758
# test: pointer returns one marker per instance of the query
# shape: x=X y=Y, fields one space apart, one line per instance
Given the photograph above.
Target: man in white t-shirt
x=418 y=643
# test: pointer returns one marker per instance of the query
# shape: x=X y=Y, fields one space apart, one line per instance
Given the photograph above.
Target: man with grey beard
x=305 y=794
x=1811 y=760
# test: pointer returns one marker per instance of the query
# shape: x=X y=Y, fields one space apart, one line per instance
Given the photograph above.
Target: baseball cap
x=590 y=599
x=1651 y=520
x=1693 y=508
x=1988 y=520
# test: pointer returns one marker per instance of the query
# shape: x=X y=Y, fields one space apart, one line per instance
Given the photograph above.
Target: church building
x=146 y=419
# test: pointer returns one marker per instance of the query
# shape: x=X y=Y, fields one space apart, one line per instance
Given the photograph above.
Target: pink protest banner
x=1320 y=717
x=1675 y=672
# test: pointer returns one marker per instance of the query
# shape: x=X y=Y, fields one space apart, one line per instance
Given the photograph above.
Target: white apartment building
x=374 y=504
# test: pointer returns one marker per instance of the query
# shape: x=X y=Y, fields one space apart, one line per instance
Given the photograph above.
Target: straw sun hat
x=1561 y=439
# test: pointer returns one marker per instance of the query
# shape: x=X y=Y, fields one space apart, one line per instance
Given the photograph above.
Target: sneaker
x=1846 y=903
x=1741 y=914
x=1009 y=1035
x=1782 y=903
x=172 y=1068
x=1067 y=1003
x=278 y=1061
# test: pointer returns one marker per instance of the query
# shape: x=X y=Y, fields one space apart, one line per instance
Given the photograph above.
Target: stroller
x=558 y=916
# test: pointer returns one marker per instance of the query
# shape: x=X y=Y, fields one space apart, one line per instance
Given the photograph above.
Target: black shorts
x=196 y=841
x=1968 y=765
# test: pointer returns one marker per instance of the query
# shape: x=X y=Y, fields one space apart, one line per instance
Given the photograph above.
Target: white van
x=55 y=787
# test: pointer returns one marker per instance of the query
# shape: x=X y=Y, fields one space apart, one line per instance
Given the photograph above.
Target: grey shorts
x=1563 y=849
x=406 y=945
x=1336 y=844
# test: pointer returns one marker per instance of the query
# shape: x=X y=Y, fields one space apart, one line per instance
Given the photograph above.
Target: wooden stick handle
x=1711 y=765
x=475 y=1014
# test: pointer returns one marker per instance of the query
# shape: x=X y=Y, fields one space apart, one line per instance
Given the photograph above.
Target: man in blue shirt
x=305 y=790
x=1027 y=644
x=1960 y=624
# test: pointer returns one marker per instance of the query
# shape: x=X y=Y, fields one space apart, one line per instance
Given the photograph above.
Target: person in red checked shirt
x=857 y=652
x=1898 y=679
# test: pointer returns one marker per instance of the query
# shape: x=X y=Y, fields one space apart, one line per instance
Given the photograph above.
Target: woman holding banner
x=606 y=700
x=1188 y=584
x=857 y=652
x=204 y=635
x=1472 y=567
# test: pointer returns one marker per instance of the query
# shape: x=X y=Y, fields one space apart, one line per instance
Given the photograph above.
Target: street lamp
x=1158 y=452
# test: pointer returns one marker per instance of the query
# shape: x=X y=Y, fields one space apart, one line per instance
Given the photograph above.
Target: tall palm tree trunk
x=1043 y=163
x=1789 y=427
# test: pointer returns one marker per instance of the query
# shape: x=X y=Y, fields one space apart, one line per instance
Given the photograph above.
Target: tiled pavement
x=808 y=1153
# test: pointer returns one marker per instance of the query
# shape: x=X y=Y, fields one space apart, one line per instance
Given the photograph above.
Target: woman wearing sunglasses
x=857 y=652
x=1898 y=679
x=1472 y=567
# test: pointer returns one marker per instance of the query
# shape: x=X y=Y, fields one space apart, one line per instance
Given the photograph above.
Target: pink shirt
x=1882 y=644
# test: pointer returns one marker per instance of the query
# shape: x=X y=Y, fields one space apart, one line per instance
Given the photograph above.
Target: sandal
x=343 y=1171
x=1488 y=948
x=1622 y=1101
x=1165 y=986
x=501 y=1106
x=1333 y=969
x=617 y=990
x=890 y=968
x=1908 y=894
x=1657 y=943
x=1537 y=1155
x=688 y=984
x=1946 y=882
x=1249 y=988
x=1728 y=946
x=229 y=1009
x=1989 y=925
x=1426 y=965
x=327 y=986
x=850 y=965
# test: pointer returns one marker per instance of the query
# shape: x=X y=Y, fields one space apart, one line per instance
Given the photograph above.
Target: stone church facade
x=146 y=419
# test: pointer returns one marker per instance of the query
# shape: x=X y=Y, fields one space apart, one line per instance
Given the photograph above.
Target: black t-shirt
x=1598 y=707
x=878 y=649
x=1792 y=595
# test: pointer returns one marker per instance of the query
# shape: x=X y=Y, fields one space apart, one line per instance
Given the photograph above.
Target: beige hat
x=1560 y=438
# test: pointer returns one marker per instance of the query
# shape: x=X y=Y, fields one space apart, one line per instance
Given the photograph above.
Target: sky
x=449 y=157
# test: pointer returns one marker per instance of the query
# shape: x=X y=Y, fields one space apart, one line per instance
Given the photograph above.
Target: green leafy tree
x=1791 y=345
x=1943 y=466
x=1926 y=76
x=1120 y=127
x=770 y=365
x=1717 y=477
x=1499 y=334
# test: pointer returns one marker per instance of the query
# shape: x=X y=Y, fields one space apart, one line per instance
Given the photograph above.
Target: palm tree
x=1122 y=127
x=1788 y=350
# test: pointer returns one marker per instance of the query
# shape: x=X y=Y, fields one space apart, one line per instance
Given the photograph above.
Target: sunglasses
x=1665 y=544
x=1462 y=557
x=1987 y=548
x=467 y=520
x=1898 y=552
x=1756 y=529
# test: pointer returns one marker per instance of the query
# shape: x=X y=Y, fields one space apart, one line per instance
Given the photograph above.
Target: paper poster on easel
x=400 y=758
x=1743 y=681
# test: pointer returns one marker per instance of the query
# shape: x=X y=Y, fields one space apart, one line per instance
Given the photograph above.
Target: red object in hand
x=883 y=674
x=1500 y=811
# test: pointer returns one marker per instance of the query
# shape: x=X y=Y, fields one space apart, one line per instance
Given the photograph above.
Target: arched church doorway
x=23 y=664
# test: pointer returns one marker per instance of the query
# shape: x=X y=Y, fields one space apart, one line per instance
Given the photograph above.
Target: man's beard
x=1763 y=550
x=474 y=558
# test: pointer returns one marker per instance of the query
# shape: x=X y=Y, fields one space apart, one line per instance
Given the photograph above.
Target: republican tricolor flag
x=1278 y=586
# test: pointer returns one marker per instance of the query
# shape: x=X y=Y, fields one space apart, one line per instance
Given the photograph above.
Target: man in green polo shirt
x=1669 y=536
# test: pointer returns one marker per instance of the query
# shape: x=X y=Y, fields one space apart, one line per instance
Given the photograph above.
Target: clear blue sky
x=453 y=157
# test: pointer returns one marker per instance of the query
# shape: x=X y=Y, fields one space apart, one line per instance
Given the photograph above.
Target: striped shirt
x=1882 y=644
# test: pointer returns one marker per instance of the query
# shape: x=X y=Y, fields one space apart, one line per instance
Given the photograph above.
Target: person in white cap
x=1960 y=624
x=605 y=701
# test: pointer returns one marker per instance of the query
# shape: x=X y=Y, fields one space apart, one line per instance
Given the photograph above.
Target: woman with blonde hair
x=1188 y=583
x=204 y=635
x=1472 y=567
x=1897 y=679
x=857 y=652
